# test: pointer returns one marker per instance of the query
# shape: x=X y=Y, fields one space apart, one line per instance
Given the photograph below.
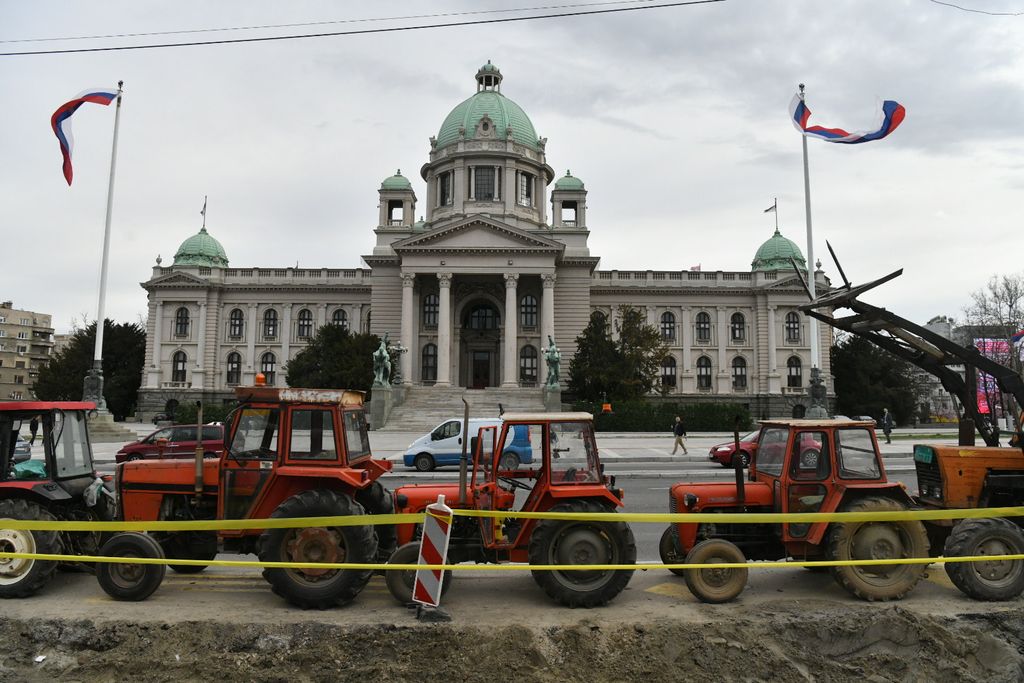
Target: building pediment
x=176 y=280
x=478 y=234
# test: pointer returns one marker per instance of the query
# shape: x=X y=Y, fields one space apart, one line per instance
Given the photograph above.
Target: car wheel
x=744 y=459
x=423 y=462
x=133 y=458
x=509 y=461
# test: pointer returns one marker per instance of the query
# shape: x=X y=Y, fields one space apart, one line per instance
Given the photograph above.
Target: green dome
x=775 y=254
x=420 y=225
x=502 y=111
x=569 y=182
x=201 y=249
x=396 y=182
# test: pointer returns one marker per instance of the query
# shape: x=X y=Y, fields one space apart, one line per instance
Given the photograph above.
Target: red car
x=723 y=452
x=181 y=443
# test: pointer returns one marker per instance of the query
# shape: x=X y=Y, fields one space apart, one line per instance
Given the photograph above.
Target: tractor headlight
x=690 y=500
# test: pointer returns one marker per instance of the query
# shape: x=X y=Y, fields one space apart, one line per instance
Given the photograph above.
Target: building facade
x=498 y=264
x=26 y=344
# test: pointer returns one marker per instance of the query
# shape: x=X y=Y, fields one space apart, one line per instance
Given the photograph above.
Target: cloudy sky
x=675 y=118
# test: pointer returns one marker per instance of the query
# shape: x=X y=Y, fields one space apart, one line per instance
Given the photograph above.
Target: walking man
x=33 y=427
x=679 y=430
x=887 y=425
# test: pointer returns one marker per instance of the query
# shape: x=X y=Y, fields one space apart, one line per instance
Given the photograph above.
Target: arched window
x=668 y=371
x=483 y=317
x=270 y=324
x=181 y=322
x=794 y=372
x=737 y=327
x=305 y=326
x=268 y=365
x=792 y=328
x=430 y=307
x=528 y=366
x=340 y=317
x=739 y=373
x=429 y=364
x=668 y=326
x=599 y=316
x=234 y=368
x=528 y=311
x=236 y=323
x=702 y=323
x=179 y=362
x=704 y=373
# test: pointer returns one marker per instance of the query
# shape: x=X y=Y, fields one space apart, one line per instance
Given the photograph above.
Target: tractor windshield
x=256 y=435
x=71 y=452
x=573 y=453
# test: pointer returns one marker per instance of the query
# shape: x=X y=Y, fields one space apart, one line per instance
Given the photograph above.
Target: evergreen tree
x=334 y=359
x=627 y=368
x=868 y=379
x=593 y=370
x=641 y=349
x=124 y=353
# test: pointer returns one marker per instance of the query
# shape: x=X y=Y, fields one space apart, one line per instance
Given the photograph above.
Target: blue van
x=443 y=445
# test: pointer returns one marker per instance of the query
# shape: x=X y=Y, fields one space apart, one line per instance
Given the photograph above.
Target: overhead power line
x=388 y=29
x=978 y=11
x=258 y=27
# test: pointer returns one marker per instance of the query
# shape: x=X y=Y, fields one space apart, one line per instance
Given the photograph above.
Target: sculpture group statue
x=554 y=359
x=382 y=364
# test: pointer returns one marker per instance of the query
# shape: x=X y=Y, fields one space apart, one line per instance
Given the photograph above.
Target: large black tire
x=669 y=550
x=423 y=462
x=22 y=578
x=582 y=542
x=318 y=588
x=715 y=586
x=994 y=580
x=876 y=541
x=377 y=500
x=182 y=546
x=744 y=458
x=400 y=581
x=130 y=582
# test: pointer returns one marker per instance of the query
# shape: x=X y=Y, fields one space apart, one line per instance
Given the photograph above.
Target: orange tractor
x=570 y=478
x=287 y=453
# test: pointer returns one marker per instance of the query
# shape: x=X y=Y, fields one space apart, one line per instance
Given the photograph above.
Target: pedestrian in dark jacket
x=33 y=427
x=887 y=425
x=679 y=430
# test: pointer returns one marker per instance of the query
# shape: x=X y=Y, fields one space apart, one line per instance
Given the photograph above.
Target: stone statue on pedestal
x=554 y=359
x=382 y=364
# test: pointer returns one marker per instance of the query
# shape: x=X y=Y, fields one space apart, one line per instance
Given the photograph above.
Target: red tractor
x=570 y=478
x=61 y=486
x=800 y=466
x=287 y=453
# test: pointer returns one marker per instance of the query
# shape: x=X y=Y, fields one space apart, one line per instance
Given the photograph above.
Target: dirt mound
x=888 y=644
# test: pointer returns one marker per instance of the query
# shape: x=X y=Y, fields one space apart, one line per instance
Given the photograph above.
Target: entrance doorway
x=481 y=370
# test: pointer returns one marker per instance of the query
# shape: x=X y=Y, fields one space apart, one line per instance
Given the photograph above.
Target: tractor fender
x=893 y=490
x=290 y=481
x=43 y=492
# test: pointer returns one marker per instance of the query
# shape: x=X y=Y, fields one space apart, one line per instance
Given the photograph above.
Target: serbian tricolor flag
x=61 y=121
x=1015 y=339
x=892 y=116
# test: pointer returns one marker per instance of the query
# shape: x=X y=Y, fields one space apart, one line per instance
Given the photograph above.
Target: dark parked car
x=723 y=452
x=22 y=451
x=180 y=443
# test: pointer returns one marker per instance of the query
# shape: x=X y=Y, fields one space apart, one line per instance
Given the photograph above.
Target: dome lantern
x=488 y=77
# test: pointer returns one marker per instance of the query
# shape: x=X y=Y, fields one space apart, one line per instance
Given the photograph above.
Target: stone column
x=250 y=353
x=321 y=317
x=774 y=385
x=686 y=368
x=722 y=332
x=199 y=372
x=444 y=330
x=156 y=370
x=459 y=186
x=511 y=379
x=355 y=321
x=286 y=336
x=405 y=359
x=547 y=322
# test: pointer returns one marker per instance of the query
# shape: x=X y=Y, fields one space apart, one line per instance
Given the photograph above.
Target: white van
x=443 y=445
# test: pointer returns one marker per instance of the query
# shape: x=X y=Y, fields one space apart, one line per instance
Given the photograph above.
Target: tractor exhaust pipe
x=464 y=460
x=737 y=463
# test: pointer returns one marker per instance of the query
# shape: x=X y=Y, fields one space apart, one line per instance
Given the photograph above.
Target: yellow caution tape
x=507 y=566
x=214 y=524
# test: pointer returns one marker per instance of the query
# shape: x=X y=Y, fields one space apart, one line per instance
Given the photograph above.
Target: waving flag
x=61 y=121
x=1017 y=336
x=892 y=111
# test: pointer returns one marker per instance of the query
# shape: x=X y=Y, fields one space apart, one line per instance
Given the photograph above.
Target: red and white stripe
x=437 y=527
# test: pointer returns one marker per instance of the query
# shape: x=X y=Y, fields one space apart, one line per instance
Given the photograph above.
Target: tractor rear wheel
x=20 y=578
x=877 y=541
x=668 y=548
x=991 y=579
x=400 y=581
x=715 y=585
x=377 y=500
x=582 y=542
x=318 y=588
x=125 y=581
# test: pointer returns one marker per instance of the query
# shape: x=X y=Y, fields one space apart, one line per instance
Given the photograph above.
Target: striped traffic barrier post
x=437 y=527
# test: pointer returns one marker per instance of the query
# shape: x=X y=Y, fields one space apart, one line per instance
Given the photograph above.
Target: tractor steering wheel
x=515 y=483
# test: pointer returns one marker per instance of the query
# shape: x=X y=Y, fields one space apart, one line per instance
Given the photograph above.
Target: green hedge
x=212 y=412
x=645 y=416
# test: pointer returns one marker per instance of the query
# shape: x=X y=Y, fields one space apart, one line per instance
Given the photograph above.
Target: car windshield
x=257 y=434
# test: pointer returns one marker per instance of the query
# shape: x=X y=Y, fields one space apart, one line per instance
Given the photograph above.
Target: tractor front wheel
x=400 y=581
x=127 y=581
x=313 y=587
x=877 y=541
x=582 y=542
x=20 y=578
x=717 y=585
x=668 y=548
x=988 y=579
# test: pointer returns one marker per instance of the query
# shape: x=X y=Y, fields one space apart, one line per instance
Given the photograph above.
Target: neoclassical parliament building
x=498 y=263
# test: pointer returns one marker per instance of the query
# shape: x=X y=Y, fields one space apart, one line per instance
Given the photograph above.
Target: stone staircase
x=103 y=429
x=426 y=407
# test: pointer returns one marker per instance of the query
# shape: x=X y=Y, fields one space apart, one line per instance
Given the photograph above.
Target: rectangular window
x=444 y=189
x=25 y=321
x=3 y=333
x=70 y=445
x=256 y=436
x=856 y=454
x=357 y=441
x=525 y=192
x=484 y=184
x=313 y=435
x=771 y=450
x=19 y=363
x=21 y=348
x=19 y=379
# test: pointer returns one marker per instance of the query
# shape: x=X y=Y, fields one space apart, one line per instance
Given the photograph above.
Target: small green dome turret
x=569 y=182
x=775 y=254
x=201 y=249
x=396 y=182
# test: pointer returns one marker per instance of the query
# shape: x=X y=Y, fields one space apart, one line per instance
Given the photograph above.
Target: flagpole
x=815 y=342
x=93 y=390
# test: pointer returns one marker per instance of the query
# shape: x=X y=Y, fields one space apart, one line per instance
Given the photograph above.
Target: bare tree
x=996 y=313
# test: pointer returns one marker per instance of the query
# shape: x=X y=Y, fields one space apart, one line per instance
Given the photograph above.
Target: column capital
x=408 y=279
x=444 y=279
x=549 y=280
x=511 y=279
